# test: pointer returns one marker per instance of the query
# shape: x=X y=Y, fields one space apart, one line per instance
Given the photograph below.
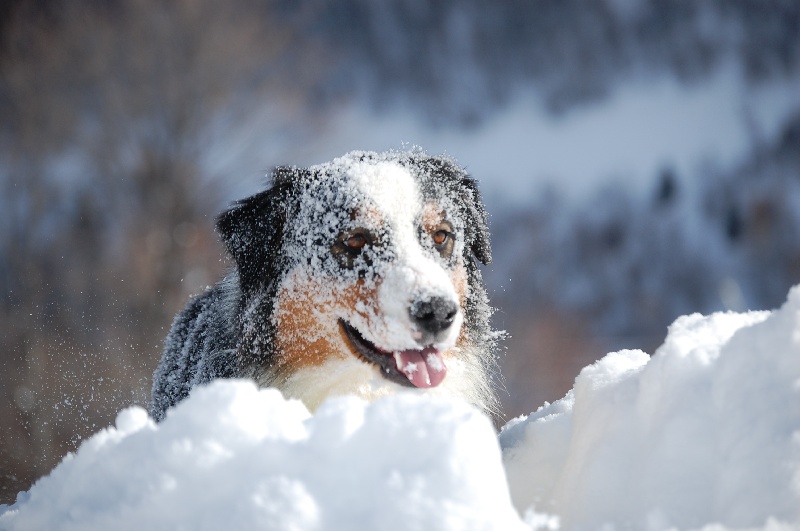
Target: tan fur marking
x=368 y=216
x=371 y=215
x=461 y=284
x=307 y=328
x=432 y=216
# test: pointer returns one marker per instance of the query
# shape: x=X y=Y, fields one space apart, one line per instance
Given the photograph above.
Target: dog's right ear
x=252 y=230
x=478 y=227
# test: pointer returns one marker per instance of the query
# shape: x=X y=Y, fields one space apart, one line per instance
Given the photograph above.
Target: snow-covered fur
x=355 y=276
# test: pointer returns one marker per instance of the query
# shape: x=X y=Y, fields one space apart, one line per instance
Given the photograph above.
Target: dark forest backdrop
x=120 y=124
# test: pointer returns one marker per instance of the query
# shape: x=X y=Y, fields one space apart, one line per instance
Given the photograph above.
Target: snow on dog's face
x=375 y=289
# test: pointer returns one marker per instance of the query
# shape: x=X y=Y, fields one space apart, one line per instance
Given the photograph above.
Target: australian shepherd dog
x=358 y=276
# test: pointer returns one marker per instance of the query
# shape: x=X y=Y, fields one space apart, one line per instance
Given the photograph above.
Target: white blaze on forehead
x=394 y=191
x=414 y=273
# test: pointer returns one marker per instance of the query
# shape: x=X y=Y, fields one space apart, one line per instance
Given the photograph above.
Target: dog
x=358 y=276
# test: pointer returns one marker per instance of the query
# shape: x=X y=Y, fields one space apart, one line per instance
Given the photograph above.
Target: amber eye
x=440 y=237
x=353 y=246
x=443 y=239
x=356 y=241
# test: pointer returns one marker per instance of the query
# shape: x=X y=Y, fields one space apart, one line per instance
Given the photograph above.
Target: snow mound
x=235 y=457
x=707 y=431
x=703 y=435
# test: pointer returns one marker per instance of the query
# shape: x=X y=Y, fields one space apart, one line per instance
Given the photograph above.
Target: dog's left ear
x=477 y=226
x=252 y=230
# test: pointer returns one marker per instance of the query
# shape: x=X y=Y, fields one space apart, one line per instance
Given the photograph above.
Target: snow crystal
x=707 y=431
x=409 y=368
x=434 y=362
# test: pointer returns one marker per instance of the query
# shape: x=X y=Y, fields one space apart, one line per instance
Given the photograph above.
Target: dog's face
x=375 y=282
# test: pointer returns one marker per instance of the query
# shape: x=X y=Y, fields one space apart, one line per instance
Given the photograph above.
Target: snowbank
x=705 y=434
x=706 y=431
x=234 y=457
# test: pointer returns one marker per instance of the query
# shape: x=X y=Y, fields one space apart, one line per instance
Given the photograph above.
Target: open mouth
x=412 y=368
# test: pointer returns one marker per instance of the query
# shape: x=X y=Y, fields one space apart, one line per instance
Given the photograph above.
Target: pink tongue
x=423 y=368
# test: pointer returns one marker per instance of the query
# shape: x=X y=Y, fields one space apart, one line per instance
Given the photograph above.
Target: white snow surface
x=235 y=457
x=705 y=434
x=707 y=431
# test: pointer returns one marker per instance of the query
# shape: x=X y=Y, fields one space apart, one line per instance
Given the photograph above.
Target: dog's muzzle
x=423 y=367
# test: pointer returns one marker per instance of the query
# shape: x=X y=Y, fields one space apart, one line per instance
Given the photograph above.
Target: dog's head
x=360 y=275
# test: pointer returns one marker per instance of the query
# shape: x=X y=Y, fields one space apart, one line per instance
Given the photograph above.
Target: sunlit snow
x=703 y=434
x=706 y=431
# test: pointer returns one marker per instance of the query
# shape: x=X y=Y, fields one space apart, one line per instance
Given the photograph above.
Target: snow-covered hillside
x=705 y=434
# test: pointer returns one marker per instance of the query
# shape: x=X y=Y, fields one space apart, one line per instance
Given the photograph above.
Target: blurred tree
x=111 y=117
x=457 y=61
x=614 y=272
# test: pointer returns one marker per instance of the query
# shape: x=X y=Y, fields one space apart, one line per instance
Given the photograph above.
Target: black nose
x=433 y=315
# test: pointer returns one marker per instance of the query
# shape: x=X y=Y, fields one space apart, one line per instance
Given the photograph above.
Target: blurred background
x=640 y=160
